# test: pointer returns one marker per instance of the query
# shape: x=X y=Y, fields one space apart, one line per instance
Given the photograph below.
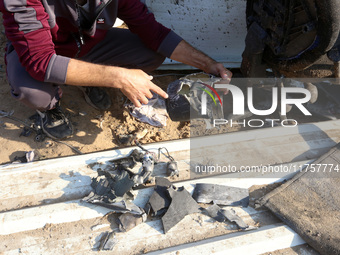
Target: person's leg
x=41 y=96
x=35 y=94
x=123 y=48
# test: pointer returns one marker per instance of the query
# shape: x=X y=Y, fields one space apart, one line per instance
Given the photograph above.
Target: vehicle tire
x=305 y=31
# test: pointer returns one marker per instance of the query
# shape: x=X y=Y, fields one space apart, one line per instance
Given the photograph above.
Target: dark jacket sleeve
x=26 y=26
x=141 y=22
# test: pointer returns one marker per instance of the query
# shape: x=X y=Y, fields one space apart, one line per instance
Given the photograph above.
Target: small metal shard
x=107 y=241
x=231 y=215
x=221 y=195
x=128 y=221
x=215 y=213
x=160 y=199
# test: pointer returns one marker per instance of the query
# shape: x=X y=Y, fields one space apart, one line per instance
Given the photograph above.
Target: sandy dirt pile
x=93 y=130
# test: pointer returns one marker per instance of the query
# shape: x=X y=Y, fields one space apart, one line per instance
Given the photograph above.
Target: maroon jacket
x=45 y=33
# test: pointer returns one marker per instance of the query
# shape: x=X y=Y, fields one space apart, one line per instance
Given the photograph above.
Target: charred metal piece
x=221 y=195
x=172 y=168
x=220 y=215
x=148 y=164
x=107 y=241
x=111 y=188
x=128 y=221
x=231 y=215
x=123 y=206
x=171 y=203
x=26 y=132
x=184 y=102
x=182 y=204
x=129 y=162
x=115 y=184
x=214 y=212
x=160 y=199
x=126 y=139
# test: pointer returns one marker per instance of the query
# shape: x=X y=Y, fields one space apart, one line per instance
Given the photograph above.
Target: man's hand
x=137 y=86
x=219 y=70
x=187 y=54
x=134 y=83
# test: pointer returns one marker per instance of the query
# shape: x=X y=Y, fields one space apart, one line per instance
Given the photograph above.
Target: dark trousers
x=119 y=48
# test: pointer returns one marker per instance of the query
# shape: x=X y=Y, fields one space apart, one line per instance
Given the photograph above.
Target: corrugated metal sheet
x=217 y=27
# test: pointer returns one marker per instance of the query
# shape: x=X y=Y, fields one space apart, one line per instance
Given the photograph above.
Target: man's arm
x=166 y=42
x=134 y=83
x=187 y=54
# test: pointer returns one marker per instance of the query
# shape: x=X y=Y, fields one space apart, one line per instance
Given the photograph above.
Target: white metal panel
x=60 y=177
x=217 y=27
x=69 y=178
x=36 y=218
x=266 y=239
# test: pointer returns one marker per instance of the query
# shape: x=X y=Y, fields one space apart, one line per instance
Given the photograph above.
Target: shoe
x=55 y=124
x=96 y=97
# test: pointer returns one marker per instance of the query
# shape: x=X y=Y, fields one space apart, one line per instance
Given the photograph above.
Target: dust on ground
x=93 y=130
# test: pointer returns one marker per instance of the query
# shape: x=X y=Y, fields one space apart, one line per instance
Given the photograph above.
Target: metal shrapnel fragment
x=220 y=215
x=128 y=221
x=160 y=199
x=182 y=204
x=221 y=195
x=231 y=215
x=107 y=241
x=214 y=212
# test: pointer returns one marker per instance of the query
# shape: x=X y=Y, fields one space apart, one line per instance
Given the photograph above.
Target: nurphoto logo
x=239 y=100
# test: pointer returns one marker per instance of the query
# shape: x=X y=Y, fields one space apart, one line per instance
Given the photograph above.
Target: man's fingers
x=148 y=94
x=139 y=89
x=136 y=103
x=226 y=74
x=223 y=72
x=159 y=91
x=144 y=100
x=153 y=87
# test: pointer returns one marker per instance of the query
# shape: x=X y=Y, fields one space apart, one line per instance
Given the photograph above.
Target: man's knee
x=153 y=63
x=35 y=94
x=37 y=99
